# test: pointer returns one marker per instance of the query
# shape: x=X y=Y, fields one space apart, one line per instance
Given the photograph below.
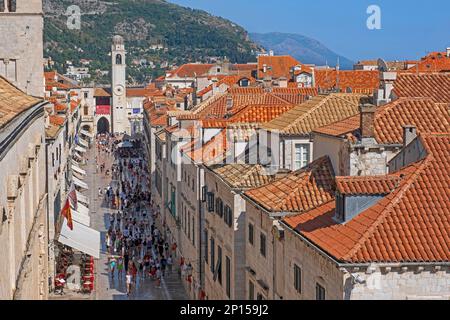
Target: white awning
x=83 y=143
x=81 y=238
x=80 y=183
x=86 y=133
x=80 y=149
x=82 y=198
x=81 y=218
x=78 y=170
x=77 y=155
x=78 y=176
x=83 y=209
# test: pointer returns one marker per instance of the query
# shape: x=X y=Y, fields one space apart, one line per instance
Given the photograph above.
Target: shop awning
x=82 y=198
x=83 y=209
x=80 y=149
x=78 y=169
x=80 y=183
x=86 y=133
x=79 y=157
x=81 y=238
x=81 y=218
x=78 y=176
x=83 y=143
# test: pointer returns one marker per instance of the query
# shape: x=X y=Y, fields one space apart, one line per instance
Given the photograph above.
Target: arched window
x=119 y=59
x=86 y=110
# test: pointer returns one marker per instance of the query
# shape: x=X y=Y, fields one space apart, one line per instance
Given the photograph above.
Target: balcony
x=87 y=118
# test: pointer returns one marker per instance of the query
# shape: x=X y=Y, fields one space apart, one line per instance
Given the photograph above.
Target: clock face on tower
x=119 y=90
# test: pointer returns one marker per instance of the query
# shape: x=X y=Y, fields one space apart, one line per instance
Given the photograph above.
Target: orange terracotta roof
x=230 y=81
x=57 y=120
x=433 y=62
x=426 y=115
x=316 y=112
x=74 y=105
x=140 y=92
x=102 y=92
x=217 y=107
x=299 y=191
x=261 y=113
x=277 y=66
x=243 y=176
x=190 y=70
x=59 y=107
x=13 y=101
x=431 y=85
x=411 y=224
x=372 y=185
x=360 y=81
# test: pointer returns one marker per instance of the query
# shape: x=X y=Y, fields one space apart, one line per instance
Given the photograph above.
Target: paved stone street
x=106 y=288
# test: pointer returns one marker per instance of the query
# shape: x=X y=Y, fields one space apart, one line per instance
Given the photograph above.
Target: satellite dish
x=382 y=65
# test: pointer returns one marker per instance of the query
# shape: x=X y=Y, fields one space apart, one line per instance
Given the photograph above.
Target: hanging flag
x=73 y=197
x=67 y=213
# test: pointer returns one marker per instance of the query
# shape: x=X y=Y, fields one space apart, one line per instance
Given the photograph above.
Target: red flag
x=67 y=214
x=73 y=197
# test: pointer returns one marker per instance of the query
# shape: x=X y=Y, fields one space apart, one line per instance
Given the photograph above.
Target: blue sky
x=409 y=29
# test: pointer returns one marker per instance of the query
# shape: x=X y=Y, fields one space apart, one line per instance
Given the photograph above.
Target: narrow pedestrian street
x=133 y=223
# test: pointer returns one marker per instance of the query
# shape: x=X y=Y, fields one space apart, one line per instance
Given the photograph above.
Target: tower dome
x=117 y=40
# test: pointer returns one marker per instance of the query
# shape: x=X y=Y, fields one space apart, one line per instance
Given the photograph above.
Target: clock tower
x=118 y=86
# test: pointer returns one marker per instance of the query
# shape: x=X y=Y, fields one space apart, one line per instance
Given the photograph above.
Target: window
x=189 y=224
x=11 y=5
x=219 y=207
x=210 y=201
x=206 y=246
x=228 y=277
x=8 y=69
x=228 y=216
x=193 y=230
x=53 y=159
x=86 y=109
x=301 y=156
x=118 y=59
x=262 y=245
x=320 y=292
x=219 y=264
x=251 y=291
x=86 y=94
x=213 y=255
x=250 y=234
x=204 y=193
x=297 y=278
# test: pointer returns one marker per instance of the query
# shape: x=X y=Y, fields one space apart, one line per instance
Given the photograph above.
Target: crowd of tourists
x=136 y=248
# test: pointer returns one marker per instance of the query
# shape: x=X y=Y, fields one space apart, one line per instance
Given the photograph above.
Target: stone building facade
x=21 y=28
x=23 y=198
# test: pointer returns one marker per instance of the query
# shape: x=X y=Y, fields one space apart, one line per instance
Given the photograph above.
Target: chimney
x=383 y=95
x=229 y=102
x=367 y=116
x=409 y=134
x=448 y=52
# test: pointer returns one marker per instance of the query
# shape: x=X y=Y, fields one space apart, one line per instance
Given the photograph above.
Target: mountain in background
x=304 y=49
x=158 y=35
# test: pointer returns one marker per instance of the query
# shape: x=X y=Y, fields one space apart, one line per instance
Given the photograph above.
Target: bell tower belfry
x=118 y=85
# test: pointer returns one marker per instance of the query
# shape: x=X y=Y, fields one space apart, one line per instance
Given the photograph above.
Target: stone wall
x=399 y=283
x=315 y=268
x=23 y=202
x=23 y=32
